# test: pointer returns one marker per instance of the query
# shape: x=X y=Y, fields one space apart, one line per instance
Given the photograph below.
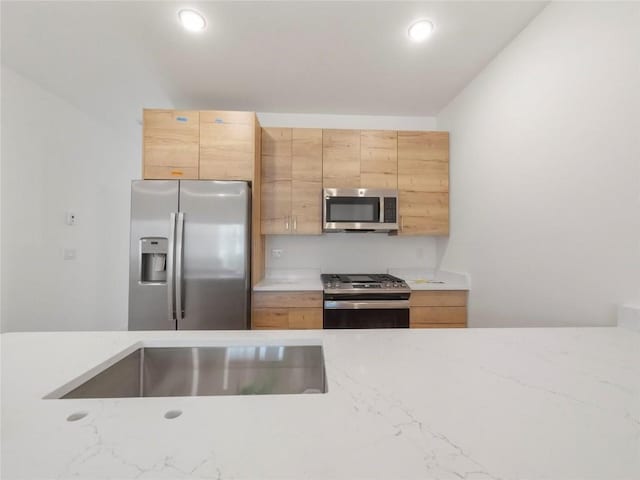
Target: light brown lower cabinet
x=303 y=310
x=438 y=309
x=286 y=310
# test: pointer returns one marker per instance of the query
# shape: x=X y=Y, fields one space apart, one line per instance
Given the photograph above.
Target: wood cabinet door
x=424 y=213
x=170 y=144
x=438 y=317
x=341 y=158
x=227 y=145
x=270 y=318
x=305 y=318
x=423 y=183
x=306 y=181
x=379 y=159
x=276 y=181
x=438 y=298
x=282 y=299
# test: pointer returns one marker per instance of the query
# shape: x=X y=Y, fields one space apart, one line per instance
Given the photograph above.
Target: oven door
x=366 y=314
x=351 y=213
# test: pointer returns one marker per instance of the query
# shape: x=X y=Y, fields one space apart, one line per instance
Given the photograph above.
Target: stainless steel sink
x=200 y=371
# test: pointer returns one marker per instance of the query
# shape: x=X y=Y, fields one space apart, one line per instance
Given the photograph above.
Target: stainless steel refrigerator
x=189 y=255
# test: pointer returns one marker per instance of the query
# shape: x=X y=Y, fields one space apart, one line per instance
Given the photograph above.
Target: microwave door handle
x=381 y=210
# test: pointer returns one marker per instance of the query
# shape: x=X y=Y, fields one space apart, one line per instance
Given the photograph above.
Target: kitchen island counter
x=559 y=403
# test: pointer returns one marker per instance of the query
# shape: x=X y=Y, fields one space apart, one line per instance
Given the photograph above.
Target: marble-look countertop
x=309 y=280
x=291 y=285
x=475 y=404
x=418 y=279
x=291 y=280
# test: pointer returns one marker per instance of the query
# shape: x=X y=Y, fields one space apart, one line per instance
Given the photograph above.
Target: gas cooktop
x=352 y=282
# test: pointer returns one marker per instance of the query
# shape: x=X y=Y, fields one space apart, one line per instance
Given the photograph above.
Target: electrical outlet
x=70 y=253
x=276 y=253
x=71 y=218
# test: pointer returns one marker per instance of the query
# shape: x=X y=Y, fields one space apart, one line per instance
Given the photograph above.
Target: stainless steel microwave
x=359 y=210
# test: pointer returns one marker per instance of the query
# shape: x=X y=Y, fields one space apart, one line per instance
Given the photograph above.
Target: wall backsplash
x=351 y=252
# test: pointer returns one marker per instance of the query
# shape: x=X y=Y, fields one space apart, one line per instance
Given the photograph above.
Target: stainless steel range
x=365 y=301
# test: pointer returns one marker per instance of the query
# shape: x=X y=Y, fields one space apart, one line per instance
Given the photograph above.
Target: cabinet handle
x=295 y=223
x=401 y=223
x=286 y=223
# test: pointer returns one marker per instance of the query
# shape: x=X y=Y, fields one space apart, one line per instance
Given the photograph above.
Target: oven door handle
x=366 y=305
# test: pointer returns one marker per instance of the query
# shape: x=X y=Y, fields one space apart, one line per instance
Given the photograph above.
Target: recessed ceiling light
x=420 y=30
x=192 y=20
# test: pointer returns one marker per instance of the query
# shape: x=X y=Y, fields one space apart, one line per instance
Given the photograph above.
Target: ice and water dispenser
x=153 y=260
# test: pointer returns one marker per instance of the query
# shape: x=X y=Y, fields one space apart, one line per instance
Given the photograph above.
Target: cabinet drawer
x=287 y=299
x=270 y=318
x=438 y=298
x=286 y=318
x=152 y=172
x=305 y=318
x=433 y=317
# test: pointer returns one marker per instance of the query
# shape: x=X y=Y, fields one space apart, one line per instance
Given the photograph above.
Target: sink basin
x=201 y=371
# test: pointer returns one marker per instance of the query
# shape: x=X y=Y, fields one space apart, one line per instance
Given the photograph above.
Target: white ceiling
x=304 y=57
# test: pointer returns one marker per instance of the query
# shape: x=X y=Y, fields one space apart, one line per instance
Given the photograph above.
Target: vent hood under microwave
x=359 y=210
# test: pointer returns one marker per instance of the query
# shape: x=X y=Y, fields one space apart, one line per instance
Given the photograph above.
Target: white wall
x=55 y=158
x=545 y=171
x=358 y=122
x=349 y=252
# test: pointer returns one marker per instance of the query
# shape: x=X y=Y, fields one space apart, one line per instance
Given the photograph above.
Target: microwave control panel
x=390 y=208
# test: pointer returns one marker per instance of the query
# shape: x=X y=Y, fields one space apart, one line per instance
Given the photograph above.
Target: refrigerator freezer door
x=214 y=279
x=152 y=203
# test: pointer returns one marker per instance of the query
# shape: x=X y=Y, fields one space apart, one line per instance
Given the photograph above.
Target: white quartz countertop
x=428 y=280
x=476 y=404
x=288 y=285
x=310 y=281
x=282 y=280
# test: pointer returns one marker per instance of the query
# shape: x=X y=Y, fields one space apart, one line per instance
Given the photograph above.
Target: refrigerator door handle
x=179 y=242
x=171 y=251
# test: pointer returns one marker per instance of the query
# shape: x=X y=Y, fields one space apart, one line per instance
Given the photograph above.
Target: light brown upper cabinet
x=378 y=159
x=341 y=158
x=306 y=181
x=423 y=183
x=209 y=145
x=360 y=159
x=227 y=145
x=276 y=181
x=170 y=144
x=291 y=181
